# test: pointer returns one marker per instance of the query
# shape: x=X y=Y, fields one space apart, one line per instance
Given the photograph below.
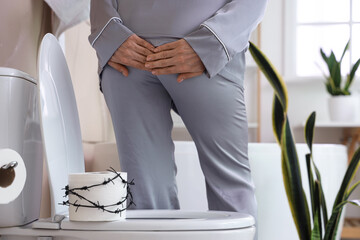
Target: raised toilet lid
x=60 y=120
x=167 y=220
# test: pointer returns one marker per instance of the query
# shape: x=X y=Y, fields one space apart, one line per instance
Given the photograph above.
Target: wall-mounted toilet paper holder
x=12 y=164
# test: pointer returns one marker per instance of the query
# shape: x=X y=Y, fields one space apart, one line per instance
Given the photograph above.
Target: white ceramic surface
x=149 y=225
x=344 y=108
x=60 y=121
x=168 y=220
x=20 y=131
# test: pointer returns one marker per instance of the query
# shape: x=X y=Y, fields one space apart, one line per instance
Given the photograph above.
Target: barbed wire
x=92 y=204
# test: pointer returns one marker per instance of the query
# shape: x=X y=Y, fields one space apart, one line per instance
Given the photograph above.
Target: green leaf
x=341 y=92
x=309 y=134
x=293 y=184
x=332 y=225
x=318 y=203
x=340 y=206
x=345 y=49
x=350 y=77
x=355 y=202
x=331 y=61
x=329 y=88
x=331 y=83
x=317 y=231
x=336 y=74
x=309 y=130
x=334 y=70
x=322 y=196
x=349 y=175
x=271 y=74
x=326 y=58
x=311 y=184
x=278 y=118
x=323 y=204
x=290 y=163
x=353 y=187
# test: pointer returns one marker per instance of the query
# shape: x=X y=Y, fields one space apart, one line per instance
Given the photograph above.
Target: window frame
x=289 y=59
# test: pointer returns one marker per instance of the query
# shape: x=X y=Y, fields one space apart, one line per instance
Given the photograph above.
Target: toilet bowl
x=143 y=224
x=64 y=155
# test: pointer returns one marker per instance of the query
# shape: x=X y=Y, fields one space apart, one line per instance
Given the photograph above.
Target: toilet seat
x=144 y=224
x=158 y=220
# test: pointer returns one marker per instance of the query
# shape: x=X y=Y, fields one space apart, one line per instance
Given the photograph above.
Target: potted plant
x=342 y=105
x=314 y=224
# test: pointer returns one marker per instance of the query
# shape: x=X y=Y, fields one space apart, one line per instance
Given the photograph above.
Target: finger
x=136 y=64
x=129 y=61
x=160 y=63
x=144 y=43
x=166 y=46
x=138 y=57
x=128 y=56
x=184 y=76
x=161 y=55
x=142 y=50
x=119 y=67
x=164 y=71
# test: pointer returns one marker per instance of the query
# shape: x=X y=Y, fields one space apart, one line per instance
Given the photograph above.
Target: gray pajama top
x=166 y=18
x=217 y=30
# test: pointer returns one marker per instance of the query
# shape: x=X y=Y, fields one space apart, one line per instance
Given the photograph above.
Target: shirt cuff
x=109 y=40
x=210 y=50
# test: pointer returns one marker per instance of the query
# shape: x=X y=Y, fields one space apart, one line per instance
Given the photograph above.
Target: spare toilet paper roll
x=12 y=175
x=104 y=195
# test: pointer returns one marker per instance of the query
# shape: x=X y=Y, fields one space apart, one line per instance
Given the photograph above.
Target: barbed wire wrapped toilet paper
x=98 y=196
x=12 y=175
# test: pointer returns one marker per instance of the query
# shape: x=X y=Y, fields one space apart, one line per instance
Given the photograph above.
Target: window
x=315 y=24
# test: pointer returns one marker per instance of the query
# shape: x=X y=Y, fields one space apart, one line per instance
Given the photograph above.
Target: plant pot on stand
x=344 y=108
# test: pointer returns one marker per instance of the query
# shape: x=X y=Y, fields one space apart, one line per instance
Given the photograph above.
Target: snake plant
x=313 y=223
x=333 y=83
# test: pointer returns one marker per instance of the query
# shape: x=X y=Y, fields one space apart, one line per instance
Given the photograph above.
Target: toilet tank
x=20 y=131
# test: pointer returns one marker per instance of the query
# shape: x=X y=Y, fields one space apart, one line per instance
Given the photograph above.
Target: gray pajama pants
x=214 y=113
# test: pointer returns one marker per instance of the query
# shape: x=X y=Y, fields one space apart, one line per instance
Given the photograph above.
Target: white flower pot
x=344 y=108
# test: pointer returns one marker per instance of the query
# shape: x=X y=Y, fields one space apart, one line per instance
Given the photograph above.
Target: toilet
x=64 y=154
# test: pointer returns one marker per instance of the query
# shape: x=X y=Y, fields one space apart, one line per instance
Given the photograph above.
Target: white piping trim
x=222 y=43
x=93 y=42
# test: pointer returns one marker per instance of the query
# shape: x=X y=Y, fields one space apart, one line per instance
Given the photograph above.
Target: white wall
x=95 y=122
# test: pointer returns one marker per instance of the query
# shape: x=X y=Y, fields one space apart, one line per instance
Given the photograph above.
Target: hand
x=175 y=57
x=132 y=53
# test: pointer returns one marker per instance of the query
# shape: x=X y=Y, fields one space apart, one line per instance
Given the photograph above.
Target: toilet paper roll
x=105 y=195
x=12 y=179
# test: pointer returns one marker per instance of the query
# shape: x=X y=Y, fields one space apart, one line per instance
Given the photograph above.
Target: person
x=186 y=55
